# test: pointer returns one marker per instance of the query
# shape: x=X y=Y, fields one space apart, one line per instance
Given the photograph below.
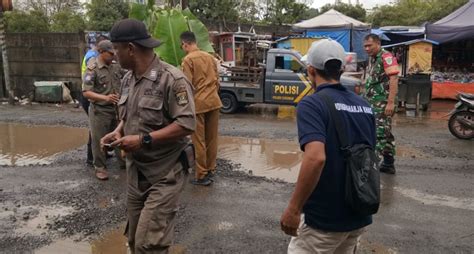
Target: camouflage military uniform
x=377 y=86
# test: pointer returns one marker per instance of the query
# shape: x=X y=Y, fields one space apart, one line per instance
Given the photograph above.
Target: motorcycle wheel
x=459 y=130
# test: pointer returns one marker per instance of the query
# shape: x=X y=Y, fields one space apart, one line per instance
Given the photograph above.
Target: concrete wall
x=44 y=57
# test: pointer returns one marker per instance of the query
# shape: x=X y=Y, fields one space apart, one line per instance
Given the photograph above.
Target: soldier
x=100 y=86
x=201 y=69
x=381 y=90
x=157 y=115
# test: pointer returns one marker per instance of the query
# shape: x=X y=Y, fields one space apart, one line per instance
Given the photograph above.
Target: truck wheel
x=229 y=103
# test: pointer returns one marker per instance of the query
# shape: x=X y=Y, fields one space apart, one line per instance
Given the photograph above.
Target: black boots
x=387 y=166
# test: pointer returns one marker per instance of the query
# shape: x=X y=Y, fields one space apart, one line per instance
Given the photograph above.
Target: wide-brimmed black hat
x=132 y=30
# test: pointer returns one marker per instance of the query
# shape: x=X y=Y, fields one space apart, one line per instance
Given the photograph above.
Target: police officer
x=101 y=85
x=381 y=89
x=157 y=116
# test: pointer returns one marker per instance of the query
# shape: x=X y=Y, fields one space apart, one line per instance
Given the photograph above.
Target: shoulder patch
x=181 y=97
x=87 y=77
x=92 y=63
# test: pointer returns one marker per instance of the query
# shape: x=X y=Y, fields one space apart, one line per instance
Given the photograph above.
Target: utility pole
x=3 y=44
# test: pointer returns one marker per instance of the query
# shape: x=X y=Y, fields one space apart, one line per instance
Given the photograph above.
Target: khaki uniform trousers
x=205 y=142
x=151 y=210
x=102 y=120
x=314 y=241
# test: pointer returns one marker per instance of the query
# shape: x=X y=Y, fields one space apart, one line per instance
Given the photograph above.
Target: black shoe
x=387 y=169
x=203 y=182
x=89 y=163
x=211 y=175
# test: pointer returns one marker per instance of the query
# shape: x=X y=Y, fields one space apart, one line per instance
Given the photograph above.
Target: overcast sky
x=368 y=4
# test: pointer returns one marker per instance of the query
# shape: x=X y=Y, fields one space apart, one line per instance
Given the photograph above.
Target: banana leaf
x=200 y=30
x=169 y=26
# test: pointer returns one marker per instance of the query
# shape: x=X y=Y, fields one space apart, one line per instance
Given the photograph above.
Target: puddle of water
x=277 y=158
x=437 y=200
x=23 y=145
x=113 y=242
x=270 y=158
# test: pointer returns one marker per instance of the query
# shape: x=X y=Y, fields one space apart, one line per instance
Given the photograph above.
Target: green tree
x=248 y=11
x=50 y=7
x=26 y=22
x=311 y=13
x=102 y=14
x=354 y=11
x=413 y=12
x=218 y=10
x=285 y=11
x=67 y=21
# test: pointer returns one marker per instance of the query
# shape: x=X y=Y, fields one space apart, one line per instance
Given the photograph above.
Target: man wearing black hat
x=157 y=115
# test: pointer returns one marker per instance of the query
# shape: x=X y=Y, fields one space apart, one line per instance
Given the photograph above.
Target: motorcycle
x=461 y=122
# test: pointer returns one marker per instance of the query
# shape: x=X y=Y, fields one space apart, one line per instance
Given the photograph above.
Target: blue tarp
x=358 y=43
x=344 y=38
x=341 y=36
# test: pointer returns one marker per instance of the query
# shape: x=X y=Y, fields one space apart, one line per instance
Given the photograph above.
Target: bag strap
x=336 y=119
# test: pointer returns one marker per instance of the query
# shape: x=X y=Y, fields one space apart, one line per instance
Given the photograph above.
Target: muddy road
x=50 y=202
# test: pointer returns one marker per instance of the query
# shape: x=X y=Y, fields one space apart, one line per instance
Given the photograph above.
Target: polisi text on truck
x=286 y=89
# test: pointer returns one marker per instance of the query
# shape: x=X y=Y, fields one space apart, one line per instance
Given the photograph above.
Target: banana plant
x=167 y=25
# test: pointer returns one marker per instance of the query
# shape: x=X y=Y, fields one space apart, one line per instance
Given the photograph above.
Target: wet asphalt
x=427 y=207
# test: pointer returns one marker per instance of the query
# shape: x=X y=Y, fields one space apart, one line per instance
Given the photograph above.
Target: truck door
x=286 y=81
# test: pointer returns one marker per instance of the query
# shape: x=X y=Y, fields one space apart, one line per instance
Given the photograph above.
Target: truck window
x=287 y=63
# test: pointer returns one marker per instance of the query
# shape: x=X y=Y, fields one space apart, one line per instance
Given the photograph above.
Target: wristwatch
x=147 y=141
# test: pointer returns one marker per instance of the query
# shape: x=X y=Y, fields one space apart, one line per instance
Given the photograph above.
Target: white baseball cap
x=324 y=50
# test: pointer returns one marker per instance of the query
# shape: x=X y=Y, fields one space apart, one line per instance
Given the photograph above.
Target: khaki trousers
x=205 y=142
x=102 y=120
x=314 y=241
x=151 y=211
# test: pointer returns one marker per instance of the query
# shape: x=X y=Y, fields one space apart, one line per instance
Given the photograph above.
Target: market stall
x=332 y=24
x=414 y=59
x=453 y=59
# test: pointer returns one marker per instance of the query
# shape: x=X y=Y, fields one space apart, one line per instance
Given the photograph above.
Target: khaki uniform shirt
x=102 y=79
x=201 y=69
x=161 y=97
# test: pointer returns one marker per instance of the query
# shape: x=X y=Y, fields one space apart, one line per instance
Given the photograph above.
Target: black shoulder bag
x=362 y=174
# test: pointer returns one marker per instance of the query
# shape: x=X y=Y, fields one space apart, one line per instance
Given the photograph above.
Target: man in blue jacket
x=317 y=216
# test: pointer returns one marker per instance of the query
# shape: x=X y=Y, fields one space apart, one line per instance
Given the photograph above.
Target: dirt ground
x=55 y=205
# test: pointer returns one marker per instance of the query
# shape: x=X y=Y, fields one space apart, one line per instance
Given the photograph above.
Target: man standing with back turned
x=381 y=90
x=201 y=70
x=157 y=114
x=327 y=223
